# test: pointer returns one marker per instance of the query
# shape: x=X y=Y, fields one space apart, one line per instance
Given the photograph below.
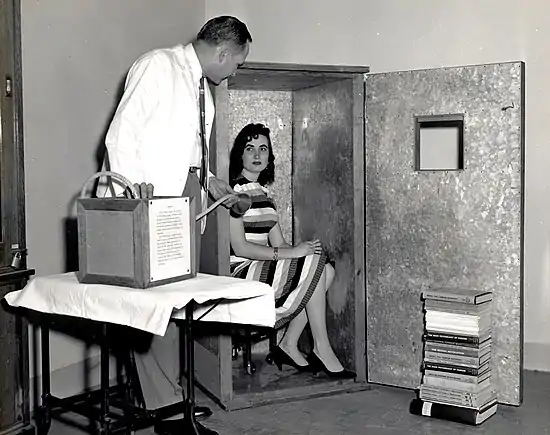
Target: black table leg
x=104 y=420
x=187 y=425
x=43 y=415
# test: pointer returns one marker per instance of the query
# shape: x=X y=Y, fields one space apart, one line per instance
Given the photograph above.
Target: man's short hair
x=225 y=29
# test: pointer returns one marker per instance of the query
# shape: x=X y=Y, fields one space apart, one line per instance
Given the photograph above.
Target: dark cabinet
x=14 y=346
x=14 y=360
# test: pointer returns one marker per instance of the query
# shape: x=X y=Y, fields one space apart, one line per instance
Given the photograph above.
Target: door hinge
x=8 y=87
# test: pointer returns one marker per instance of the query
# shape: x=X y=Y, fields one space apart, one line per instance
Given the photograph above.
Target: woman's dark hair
x=248 y=133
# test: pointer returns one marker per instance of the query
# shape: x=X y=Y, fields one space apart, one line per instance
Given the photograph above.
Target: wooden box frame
x=139 y=209
x=214 y=351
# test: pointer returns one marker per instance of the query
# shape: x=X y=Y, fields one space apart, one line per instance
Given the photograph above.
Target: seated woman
x=300 y=275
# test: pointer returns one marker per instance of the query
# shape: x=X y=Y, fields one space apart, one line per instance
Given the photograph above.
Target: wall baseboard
x=537 y=357
x=72 y=379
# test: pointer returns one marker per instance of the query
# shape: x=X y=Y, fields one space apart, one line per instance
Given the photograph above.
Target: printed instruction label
x=169 y=238
x=427 y=409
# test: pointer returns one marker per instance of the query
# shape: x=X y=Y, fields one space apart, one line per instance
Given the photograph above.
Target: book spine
x=484 y=393
x=468 y=379
x=448 y=329
x=457 y=308
x=456 y=350
x=452 y=338
x=469 y=371
x=469 y=403
x=466 y=361
x=477 y=325
x=444 y=412
x=475 y=322
x=459 y=311
x=449 y=296
x=453 y=384
x=457 y=315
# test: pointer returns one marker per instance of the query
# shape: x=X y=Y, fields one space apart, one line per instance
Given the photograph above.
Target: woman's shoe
x=279 y=357
x=318 y=366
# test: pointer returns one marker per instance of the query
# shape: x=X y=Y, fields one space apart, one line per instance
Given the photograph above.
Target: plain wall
x=395 y=35
x=76 y=54
x=75 y=57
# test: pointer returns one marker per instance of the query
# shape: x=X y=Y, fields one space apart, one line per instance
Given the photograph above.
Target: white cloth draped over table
x=150 y=310
x=247 y=302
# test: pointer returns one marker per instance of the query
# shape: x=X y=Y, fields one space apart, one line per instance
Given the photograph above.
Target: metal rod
x=190 y=368
x=45 y=343
x=60 y=406
x=190 y=354
x=44 y=414
x=104 y=369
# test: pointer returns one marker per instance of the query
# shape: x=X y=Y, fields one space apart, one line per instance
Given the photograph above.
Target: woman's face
x=256 y=155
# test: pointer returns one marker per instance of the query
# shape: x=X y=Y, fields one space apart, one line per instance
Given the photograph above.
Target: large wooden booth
x=316 y=118
x=412 y=180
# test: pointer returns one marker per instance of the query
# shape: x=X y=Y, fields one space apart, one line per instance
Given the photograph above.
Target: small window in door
x=439 y=143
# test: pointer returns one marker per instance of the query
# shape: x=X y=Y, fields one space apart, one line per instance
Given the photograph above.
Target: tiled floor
x=379 y=411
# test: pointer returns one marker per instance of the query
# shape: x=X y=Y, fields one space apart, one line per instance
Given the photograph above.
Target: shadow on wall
x=70 y=225
x=90 y=334
x=84 y=330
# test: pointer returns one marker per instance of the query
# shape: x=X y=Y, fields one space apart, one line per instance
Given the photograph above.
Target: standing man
x=159 y=135
x=158 y=139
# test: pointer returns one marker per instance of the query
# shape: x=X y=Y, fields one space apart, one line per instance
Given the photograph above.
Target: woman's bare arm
x=243 y=248
x=276 y=237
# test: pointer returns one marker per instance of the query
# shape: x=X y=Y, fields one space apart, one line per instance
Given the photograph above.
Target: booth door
x=444 y=207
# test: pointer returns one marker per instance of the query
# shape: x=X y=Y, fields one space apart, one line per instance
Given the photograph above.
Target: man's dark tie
x=204 y=160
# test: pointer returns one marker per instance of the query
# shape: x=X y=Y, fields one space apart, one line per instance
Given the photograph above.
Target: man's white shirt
x=154 y=136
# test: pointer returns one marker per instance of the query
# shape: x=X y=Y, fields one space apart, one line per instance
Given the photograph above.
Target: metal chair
x=244 y=338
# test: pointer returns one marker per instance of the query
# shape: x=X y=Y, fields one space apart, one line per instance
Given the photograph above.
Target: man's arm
x=218 y=188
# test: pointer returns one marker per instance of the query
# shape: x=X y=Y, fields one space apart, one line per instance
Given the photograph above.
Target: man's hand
x=219 y=188
x=144 y=190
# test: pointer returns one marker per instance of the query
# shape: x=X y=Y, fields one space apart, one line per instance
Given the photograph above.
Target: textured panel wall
x=323 y=196
x=452 y=228
x=274 y=109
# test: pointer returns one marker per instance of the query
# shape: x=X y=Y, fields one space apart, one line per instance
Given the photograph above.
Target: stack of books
x=456 y=383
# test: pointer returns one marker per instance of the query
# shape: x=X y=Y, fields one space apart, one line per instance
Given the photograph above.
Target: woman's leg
x=316 y=314
x=329 y=275
x=289 y=343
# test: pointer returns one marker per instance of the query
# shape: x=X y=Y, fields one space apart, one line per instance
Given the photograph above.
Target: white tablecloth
x=248 y=302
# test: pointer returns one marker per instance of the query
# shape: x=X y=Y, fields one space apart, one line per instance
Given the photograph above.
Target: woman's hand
x=309 y=247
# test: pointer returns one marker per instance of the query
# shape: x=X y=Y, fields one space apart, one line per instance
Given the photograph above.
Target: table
x=237 y=301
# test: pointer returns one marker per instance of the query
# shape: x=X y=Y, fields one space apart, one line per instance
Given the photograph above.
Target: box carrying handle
x=114 y=175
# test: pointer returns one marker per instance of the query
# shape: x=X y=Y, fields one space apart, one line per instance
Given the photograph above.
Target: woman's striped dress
x=293 y=280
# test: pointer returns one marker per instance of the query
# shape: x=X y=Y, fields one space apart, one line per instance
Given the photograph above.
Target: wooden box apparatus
x=137 y=243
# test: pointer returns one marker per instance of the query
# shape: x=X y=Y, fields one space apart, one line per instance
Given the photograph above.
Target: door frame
x=11 y=138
